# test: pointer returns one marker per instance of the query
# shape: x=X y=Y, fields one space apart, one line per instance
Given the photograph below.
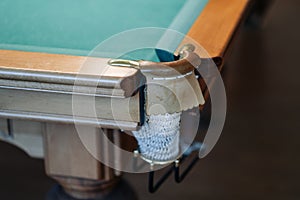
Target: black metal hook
x=153 y=187
x=180 y=177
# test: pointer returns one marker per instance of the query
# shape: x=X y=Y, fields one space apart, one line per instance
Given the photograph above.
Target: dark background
x=256 y=156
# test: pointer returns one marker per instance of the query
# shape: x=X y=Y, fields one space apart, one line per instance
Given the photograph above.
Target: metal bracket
x=179 y=177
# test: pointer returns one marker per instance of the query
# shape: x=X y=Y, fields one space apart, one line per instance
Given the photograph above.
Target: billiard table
x=44 y=46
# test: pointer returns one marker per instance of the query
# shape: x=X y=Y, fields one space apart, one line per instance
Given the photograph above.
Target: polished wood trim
x=215 y=27
x=65 y=69
x=45 y=62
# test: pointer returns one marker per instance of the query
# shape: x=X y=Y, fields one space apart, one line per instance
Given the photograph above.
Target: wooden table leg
x=71 y=163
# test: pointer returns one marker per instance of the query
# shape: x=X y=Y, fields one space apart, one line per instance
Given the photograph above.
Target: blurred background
x=256 y=156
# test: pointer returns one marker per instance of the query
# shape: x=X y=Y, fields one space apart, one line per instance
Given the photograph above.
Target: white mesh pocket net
x=158 y=139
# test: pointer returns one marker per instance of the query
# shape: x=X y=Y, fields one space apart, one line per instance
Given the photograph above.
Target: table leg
x=122 y=191
x=69 y=161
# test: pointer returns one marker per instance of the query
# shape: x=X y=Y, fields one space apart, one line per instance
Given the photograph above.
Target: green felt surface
x=77 y=26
